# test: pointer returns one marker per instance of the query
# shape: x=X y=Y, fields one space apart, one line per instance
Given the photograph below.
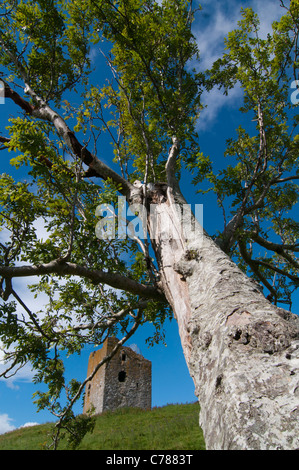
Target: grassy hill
x=172 y=427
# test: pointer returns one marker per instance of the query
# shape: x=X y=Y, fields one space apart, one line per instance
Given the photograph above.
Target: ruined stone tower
x=125 y=380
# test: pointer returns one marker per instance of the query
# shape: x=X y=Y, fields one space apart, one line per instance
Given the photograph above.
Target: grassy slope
x=172 y=427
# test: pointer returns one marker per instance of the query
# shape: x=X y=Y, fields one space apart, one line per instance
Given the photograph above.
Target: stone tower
x=125 y=380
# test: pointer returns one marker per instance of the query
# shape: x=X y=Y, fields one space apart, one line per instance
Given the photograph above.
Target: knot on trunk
x=269 y=337
x=186 y=265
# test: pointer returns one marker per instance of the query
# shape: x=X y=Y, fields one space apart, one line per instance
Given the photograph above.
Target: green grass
x=172 y=427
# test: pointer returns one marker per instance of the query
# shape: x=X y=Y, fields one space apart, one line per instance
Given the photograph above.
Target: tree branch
x=171 y=162
x=279 y=249
x=4 y=140
x=17 y=99
x=253 y=265
x=278 y=270
x=61 y=267
x=44 y=112
x=16 y=296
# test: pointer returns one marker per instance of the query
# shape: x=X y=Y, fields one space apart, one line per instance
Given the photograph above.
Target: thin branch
x=252 y=264
x=287 y=178
x=31 y=316
x=108 y=322
x=279 y=249
x=4 y=140
x=278 y=270
x=11 y=367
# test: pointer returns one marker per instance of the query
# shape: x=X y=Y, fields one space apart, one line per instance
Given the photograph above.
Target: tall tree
x=241 y=349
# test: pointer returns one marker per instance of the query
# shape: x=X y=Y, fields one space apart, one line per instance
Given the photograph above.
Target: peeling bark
x=242 y=352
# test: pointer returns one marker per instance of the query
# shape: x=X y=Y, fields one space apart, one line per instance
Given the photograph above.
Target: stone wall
x=126 y=380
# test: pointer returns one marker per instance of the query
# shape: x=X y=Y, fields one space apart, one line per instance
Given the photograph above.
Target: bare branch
x=4 y=140
x=277 y=270
x=31 y=316
x=253 y=265
x=278 y=248
x=287 y=178
x=60 y=267
x=171 y=162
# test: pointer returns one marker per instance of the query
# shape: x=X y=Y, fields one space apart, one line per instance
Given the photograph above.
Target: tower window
x=123 y=357
x=122 y=376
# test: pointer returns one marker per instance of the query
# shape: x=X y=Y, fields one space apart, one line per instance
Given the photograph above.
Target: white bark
x=242 y=352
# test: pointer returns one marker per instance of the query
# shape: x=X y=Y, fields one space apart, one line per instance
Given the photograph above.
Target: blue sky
x=171 y=381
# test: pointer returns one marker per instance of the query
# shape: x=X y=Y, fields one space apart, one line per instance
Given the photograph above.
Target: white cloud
x=35 y=305
x=93 y=54
x=40 y=228
x=214 y=101
x=5 y=423
x=1 y=355
x=268 y=11
x=6 y=426
x=29 y=424
x=25 y=374
x=210 y=34
x=214 y=22
x=135 y=348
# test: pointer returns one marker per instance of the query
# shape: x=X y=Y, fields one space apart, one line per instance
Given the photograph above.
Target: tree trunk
x=242 y=352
